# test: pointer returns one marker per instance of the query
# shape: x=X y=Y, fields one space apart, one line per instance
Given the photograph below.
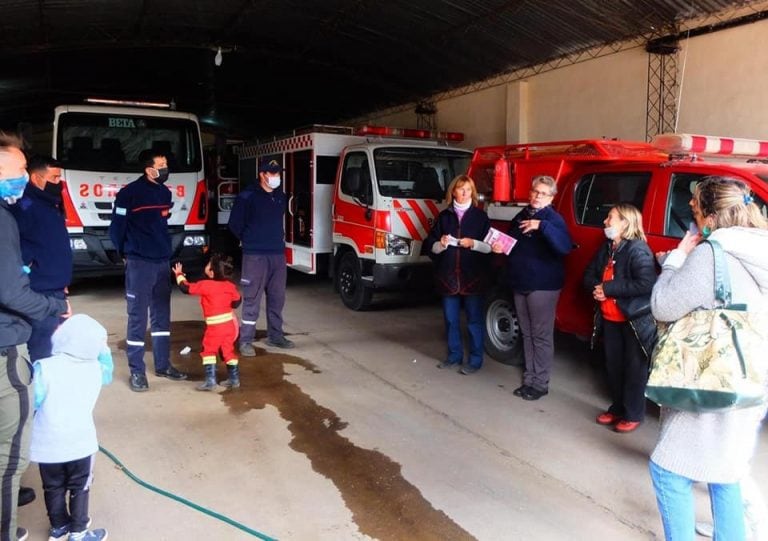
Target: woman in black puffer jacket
x=461 y=262
x=621 y=278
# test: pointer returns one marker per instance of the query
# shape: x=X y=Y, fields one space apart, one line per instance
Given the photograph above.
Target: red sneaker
x=626 y=426
x=607 y=418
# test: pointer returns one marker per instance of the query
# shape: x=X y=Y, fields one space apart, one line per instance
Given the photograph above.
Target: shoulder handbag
x=711 y=360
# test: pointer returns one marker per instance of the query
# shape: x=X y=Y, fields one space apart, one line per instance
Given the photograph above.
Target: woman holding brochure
x=535 y=275
x=461 y=263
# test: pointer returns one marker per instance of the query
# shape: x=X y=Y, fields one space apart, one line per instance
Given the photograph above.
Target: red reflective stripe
x=151 y=207
x=726 y=145
x=420 y=215
x=432 y=206
x=403 y=215
x=763 y=148
x=698 y=143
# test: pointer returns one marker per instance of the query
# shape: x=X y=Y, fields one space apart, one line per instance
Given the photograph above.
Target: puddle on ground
x=384 y=505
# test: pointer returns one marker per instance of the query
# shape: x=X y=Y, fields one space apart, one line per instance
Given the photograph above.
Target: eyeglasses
x=537 y=193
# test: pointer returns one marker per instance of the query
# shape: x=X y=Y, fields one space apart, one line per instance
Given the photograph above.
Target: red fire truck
x=592 y=176
x=361 y=201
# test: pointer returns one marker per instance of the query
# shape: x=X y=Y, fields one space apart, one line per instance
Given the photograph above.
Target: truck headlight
x=77 y=244
x=194 y=240
x=397 y=245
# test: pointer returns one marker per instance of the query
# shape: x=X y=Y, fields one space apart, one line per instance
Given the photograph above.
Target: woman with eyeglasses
x=710 y=447
x=535 y=274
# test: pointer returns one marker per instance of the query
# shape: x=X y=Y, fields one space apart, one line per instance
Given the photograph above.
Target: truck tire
x=502 y=338
x=349 y=283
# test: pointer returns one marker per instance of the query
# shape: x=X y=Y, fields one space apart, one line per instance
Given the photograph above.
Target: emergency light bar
x=386 y=131
x=104 y=101
x=676 y=143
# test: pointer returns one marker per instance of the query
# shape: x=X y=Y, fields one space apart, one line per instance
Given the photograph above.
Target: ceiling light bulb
x=218 y=58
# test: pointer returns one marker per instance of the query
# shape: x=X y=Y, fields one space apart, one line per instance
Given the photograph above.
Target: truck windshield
x=418 y=172
x=112 y=142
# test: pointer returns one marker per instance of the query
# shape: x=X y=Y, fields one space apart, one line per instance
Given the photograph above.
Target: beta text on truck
x=361 y=201
x=593 y=175
x=101 y=149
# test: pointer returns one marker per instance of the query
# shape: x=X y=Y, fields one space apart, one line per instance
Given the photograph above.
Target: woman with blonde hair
x=710 y=447
x=460 y=258
x=620 y=278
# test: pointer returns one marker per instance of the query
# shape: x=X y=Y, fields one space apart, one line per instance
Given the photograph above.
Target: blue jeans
x=674 y=496
x=473 y=306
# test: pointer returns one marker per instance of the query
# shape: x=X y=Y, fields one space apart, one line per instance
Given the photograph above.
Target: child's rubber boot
x=233 y=382
x=210 y=379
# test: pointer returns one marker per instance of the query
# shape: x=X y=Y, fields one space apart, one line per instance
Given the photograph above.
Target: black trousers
x=75 y=477
x=627 y=369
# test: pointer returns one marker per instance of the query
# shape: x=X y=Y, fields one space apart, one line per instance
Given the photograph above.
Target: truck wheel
x=354 y=294
x=503 y=341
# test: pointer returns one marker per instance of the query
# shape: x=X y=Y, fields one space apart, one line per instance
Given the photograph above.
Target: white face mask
x=273 y=182
x=461 y=206
x=611 y=233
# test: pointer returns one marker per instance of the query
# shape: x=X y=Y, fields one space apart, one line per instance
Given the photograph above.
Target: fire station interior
x=354 y=434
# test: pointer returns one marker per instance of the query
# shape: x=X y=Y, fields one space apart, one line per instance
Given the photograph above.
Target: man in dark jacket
x=257 y=221
x=18 y=305
x=139 y=232
x=45 y=247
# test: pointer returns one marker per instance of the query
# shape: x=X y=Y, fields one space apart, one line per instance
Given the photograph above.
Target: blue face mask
x=12 y=189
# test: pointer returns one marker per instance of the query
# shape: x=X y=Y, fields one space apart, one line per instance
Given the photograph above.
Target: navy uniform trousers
x=263 y=274
x=148 y=287
x=39 y=343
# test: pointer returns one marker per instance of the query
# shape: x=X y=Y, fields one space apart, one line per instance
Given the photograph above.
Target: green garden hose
x=186 y=502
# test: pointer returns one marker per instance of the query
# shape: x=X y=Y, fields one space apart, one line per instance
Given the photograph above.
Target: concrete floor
x=356 y=435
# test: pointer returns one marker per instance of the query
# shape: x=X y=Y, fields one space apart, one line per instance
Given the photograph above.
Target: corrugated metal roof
x=293 y=62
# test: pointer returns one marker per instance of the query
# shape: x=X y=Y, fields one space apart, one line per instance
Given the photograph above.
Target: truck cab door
x=584 y=204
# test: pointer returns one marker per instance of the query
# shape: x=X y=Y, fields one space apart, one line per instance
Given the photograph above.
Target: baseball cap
x=271 y=166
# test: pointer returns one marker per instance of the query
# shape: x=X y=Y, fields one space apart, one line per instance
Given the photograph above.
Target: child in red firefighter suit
x=218 y=298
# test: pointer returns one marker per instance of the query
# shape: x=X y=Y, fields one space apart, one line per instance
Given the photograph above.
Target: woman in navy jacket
x=459 y=254
x=535 y=274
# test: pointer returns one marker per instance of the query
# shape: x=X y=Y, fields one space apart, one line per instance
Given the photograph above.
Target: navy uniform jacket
x=536 y=262
x=257 y=220
x=18 y=303
x=139 y=228
x=44 y=240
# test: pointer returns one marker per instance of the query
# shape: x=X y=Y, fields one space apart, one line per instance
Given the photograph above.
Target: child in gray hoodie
x=66 y=386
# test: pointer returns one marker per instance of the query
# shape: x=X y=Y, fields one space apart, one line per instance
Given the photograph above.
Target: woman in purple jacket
x=461 y=262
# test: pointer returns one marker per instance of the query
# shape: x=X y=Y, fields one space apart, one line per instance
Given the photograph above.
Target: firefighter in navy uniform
x=139 y=232
x=44 y=244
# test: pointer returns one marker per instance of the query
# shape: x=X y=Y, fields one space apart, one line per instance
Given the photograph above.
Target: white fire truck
x=100 y=148
x=361 y=201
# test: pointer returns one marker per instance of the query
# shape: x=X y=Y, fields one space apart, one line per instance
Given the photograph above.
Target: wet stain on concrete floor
x=384 y=505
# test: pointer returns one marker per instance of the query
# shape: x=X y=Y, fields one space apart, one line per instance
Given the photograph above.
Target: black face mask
x=53 y=189
x=162 y=175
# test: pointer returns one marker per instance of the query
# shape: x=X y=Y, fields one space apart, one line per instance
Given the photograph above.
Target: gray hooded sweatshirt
x=713 y=447
x=67 y=385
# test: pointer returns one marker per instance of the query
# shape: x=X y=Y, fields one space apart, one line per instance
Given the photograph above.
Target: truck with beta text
x=361 y=201
x=593 y=175
x=100 y=148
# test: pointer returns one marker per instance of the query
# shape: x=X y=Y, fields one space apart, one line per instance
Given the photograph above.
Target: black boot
x=210 y=378
x=234 y=377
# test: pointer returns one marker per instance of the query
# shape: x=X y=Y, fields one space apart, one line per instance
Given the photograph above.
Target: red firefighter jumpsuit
x=217 y=298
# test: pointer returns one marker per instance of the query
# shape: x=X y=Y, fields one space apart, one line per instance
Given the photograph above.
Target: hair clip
x=748 y=199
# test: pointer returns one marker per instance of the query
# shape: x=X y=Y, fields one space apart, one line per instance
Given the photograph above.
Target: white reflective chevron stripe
x=246 y=322
x=134 y=343
x=161 y=333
